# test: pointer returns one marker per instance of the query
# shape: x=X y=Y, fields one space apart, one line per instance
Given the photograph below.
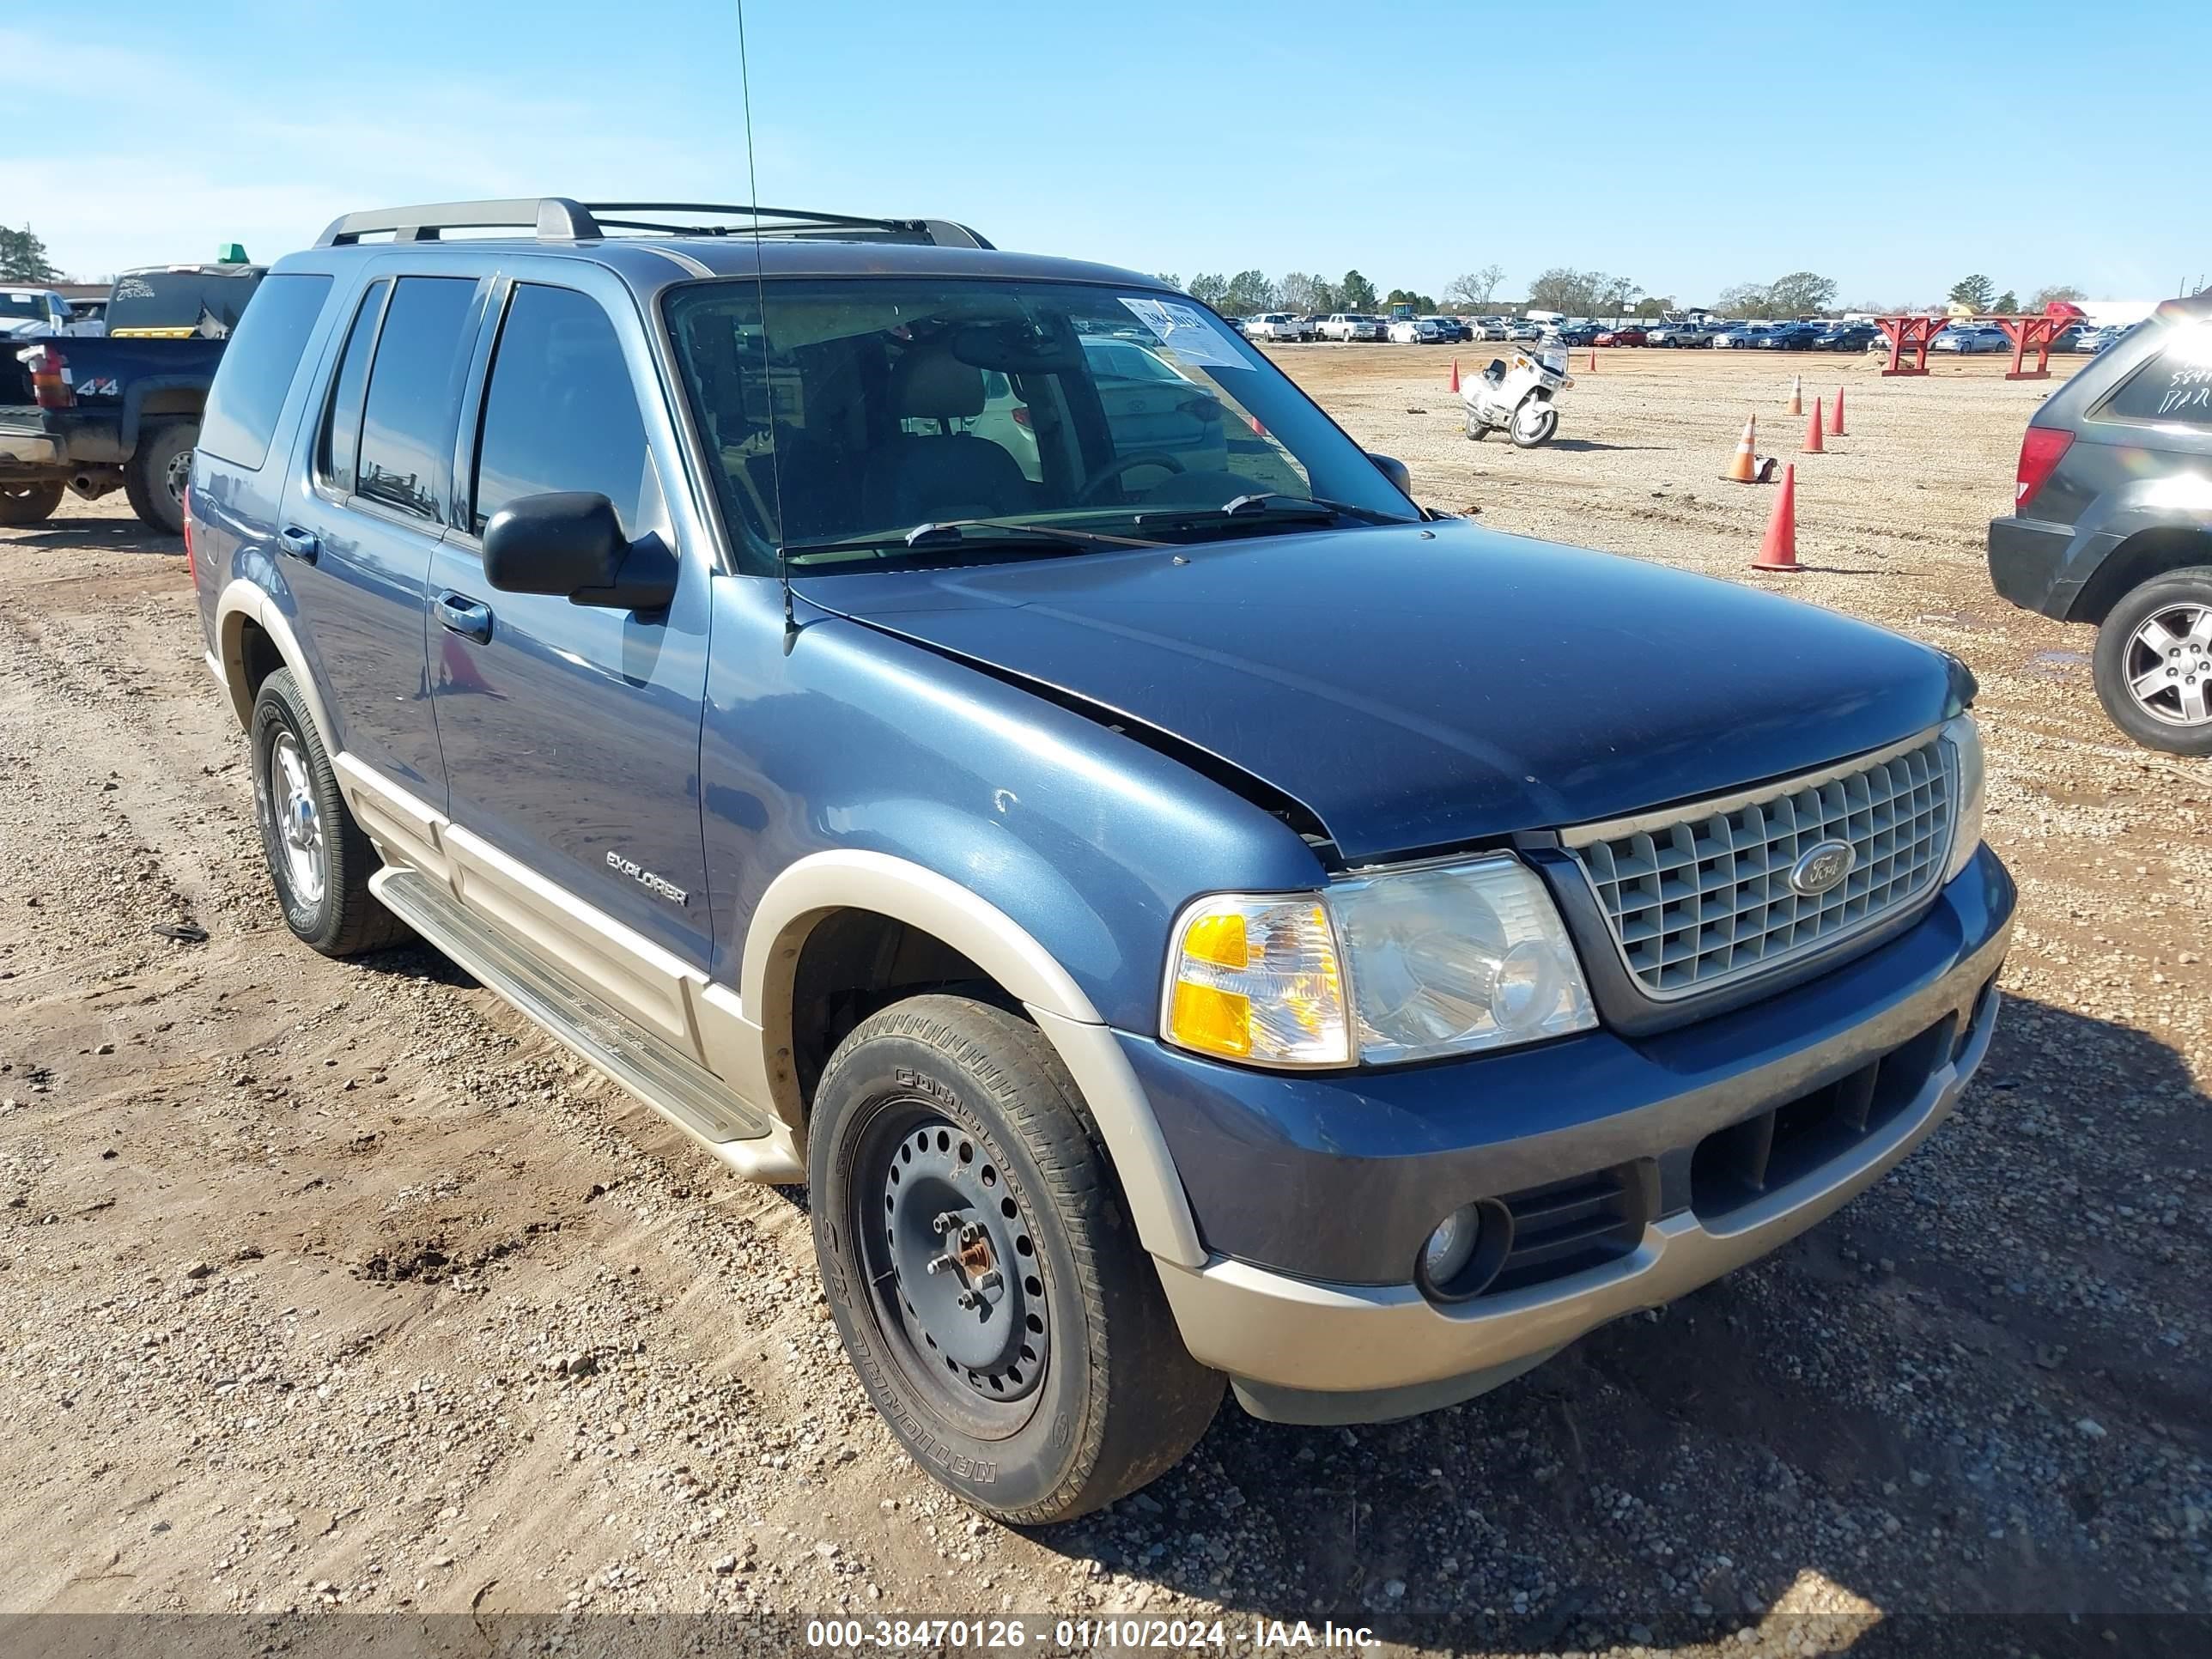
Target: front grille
x=1701 y=896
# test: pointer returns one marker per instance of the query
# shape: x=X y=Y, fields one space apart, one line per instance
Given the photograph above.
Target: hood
x=1423 y=687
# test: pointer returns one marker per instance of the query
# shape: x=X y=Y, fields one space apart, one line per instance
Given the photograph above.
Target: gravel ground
x=330 y=1285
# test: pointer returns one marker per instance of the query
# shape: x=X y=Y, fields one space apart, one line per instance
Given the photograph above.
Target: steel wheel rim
x=2168 y=665
x=981 y=1365
x=178 y=474
x=299 y=821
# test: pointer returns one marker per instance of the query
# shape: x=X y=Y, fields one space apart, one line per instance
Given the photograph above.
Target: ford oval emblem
x=1820 y=867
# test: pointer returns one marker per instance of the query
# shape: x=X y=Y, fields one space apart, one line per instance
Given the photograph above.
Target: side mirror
x=568 y=542
x=1394 y=469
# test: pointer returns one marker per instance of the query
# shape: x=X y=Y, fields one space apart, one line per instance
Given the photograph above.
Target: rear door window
x=560 y=412
x=2174 y=387
x=340 y=442
x=258 y=367
x=414 y=390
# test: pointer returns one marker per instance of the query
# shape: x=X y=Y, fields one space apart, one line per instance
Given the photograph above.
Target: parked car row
x=1806 y=335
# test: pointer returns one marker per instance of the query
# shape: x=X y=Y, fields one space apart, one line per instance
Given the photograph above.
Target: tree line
x=1563 y=289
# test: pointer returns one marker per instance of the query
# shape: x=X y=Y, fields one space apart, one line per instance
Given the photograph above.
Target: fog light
x=1464 y=1254
x=1451 y=1244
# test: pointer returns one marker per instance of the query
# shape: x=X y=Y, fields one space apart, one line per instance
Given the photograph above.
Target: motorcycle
x=1519 y=395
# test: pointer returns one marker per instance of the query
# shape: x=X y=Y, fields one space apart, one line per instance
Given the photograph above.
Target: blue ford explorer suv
x=1184 y=911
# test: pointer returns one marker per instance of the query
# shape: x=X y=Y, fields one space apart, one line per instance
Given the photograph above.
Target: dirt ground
x=334 y=1285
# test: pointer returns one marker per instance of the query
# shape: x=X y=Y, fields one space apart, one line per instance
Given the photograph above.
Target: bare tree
x=1802 y=293
x=2062 y=293
x=1474 y=288
x=1747 y=300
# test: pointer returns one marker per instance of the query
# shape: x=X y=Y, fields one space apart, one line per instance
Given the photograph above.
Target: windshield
x=865 y=411
x=180 y=302
x=23 y=305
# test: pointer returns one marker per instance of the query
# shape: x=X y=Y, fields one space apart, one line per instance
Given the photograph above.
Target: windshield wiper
x=1279 y=506
x=957 y=529
x=961 y=529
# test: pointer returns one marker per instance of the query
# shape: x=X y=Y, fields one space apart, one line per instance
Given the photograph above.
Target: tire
x=1535 y=433
x=2176 y=717
x=153 y=476
x=294 y=786
x=1087 y=1393
x=29 y=503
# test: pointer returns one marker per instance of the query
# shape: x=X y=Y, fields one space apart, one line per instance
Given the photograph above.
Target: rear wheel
x=982 y=1272
x=319 y=859
x=2154 y=663
x=29 y=503
x=155 y=477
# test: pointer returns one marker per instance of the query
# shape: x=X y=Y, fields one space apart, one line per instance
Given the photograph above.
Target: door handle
x=298 y=544
x=463 y=614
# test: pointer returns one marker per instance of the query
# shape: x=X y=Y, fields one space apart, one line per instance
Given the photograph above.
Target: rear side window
x=258 y=367
x=2174 y=386
x=414 y=387
x=560 y=412
x=340 y=443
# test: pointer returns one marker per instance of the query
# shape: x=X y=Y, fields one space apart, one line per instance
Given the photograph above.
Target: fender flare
x=242 y=601
x=822 y=883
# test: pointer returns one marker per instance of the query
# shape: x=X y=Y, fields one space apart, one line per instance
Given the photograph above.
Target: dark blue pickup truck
x=92 y=415
x=1190 y=916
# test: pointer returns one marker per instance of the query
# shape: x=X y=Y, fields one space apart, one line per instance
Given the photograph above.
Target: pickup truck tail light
x=2040 y=451
x=50 y=384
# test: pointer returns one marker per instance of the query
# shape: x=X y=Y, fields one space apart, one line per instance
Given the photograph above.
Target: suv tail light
x=50 y=386
x=2040 y=451
x=192 y=565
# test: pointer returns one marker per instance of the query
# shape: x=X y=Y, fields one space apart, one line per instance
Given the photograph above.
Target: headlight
x=1457 y=957
x=1446 y=959
x=1963 y=743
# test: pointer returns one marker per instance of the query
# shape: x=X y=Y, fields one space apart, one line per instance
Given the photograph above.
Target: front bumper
x=1328 y=1348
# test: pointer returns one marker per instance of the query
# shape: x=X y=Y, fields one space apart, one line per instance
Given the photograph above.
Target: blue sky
x=1716 y=145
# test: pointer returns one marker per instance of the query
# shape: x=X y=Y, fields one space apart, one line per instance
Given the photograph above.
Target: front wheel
x=155 y=477
x=1535 y=423
x=2154 y=663
x=29 y=503
x=983 y=1272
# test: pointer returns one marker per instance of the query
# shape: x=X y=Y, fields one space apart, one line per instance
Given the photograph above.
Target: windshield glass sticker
x=1185 y=332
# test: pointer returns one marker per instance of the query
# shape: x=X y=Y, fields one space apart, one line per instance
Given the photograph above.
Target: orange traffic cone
x=1836 y=415
x=1593 y=359
x=1778 y=551
x=1797 y=395
x=1812 y=444
x=1455 y=383
x=1744 y=468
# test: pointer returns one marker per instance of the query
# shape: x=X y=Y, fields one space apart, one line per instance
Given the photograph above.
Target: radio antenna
x=759 y=286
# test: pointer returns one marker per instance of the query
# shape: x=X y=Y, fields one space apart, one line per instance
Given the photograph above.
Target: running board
x=655 y=1071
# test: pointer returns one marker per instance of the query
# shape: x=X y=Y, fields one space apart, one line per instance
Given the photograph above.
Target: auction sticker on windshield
x=1185 y=330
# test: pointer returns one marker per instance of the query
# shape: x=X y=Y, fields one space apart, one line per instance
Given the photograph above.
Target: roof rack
x=558 y=219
